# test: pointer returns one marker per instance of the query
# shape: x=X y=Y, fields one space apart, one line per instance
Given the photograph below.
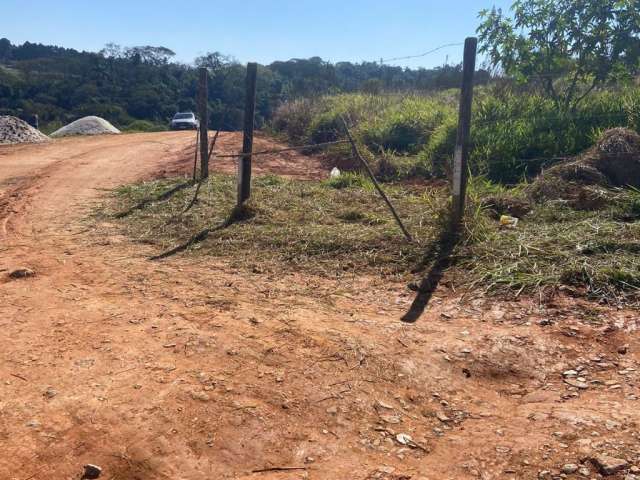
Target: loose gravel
x=14 y=131
x=87 y=126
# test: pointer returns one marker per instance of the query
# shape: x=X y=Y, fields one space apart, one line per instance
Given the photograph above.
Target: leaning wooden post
x=203 y=113
x=367 y=168
x=461 y=158
x=244 y=170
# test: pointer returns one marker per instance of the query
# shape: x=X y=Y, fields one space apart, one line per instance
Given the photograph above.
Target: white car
x=184 y=121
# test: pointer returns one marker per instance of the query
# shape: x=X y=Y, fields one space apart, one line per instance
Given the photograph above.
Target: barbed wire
x=281 y=150
x=411 y=57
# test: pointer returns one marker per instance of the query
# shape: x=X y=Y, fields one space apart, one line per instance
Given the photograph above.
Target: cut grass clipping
x=325 y=227
x=341 y=225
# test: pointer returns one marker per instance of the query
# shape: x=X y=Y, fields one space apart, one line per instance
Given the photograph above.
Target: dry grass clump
x=583 y=182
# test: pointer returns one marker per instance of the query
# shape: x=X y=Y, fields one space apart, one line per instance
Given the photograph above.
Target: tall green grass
x=514 y=136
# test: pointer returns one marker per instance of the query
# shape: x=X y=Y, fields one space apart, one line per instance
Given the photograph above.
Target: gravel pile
x=13 y=130
x=87 y=126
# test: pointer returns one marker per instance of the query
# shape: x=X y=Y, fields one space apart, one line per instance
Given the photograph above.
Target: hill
x=123 y=85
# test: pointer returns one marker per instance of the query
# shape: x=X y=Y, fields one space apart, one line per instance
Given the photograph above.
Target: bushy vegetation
x=514 y=133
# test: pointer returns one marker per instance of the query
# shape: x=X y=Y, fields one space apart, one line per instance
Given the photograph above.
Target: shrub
x=144 y=126
x=514 y=136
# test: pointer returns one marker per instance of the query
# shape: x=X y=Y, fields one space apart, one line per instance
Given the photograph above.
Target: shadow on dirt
x=239 y=214
x=440 y=256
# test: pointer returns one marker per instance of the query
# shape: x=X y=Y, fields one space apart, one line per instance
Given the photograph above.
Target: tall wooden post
x=461 y=158
x=244 y=171
x=203 y=113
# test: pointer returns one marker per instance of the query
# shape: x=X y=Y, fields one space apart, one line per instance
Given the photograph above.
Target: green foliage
x=348 y=180
x=514 y=134
x=567 y=47
x=144 y=126
x=142 y=83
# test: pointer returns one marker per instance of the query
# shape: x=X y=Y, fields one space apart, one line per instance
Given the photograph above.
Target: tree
x=5 y=49
x=569 y=47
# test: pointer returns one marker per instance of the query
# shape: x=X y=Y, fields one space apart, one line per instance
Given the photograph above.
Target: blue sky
x=252 y=30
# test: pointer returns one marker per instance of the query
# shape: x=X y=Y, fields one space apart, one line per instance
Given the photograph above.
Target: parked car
x=184 y=121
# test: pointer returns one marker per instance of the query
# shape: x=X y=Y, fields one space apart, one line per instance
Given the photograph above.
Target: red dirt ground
x=192 y=369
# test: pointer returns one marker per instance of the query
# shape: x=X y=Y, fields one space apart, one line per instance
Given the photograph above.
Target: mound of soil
x=584 y=181
x=13 y=131
x=87 y=126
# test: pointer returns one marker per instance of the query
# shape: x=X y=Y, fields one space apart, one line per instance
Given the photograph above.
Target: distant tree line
x=145 y=83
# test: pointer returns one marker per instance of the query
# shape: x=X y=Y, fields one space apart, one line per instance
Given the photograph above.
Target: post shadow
x=439 y=255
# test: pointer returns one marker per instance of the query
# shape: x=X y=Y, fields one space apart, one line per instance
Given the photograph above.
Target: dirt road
x=192 y=369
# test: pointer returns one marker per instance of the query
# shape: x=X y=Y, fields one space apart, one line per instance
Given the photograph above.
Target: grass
x=514 y=135
x=324 y=227
x=340 y=226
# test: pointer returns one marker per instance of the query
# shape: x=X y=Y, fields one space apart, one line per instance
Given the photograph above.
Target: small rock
x=33 y=424
x=623 y=350
x=332 y=410
x=200 y=396
x=404 y=439
x=570 y=468
x=576 y=383
x=22 y=273
x=50 y=393
x=584 y=471
x=442 y=417
x=91 y=472
x=391 y=419
x=609 y=465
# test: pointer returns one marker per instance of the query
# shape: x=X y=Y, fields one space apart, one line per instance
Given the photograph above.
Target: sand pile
x=584 y=181
x=13 y=130
x=87 y=126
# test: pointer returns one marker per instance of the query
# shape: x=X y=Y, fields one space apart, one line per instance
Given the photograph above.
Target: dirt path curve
x=191 y=368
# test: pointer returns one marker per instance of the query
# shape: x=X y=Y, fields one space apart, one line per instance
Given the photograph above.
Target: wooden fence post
x=244 y=170
x=203 y=113
x=461 y=158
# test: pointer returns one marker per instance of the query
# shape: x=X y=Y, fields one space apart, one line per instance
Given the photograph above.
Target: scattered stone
x=584 y=471
x=22 y=273
x=50 y=393
x=87 y=126
x=91 y=472
x=384 y=405
x=576 y=383
x=200 y=396
x=404 y=439
x=623 y=350
x=14 y=131
x=609 y=465
x=391 y=419
x=570 y=468
x=442 y=417
x=33 y=424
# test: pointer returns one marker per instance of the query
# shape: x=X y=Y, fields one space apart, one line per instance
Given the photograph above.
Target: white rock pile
x=87 y=126
x=13 y=131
